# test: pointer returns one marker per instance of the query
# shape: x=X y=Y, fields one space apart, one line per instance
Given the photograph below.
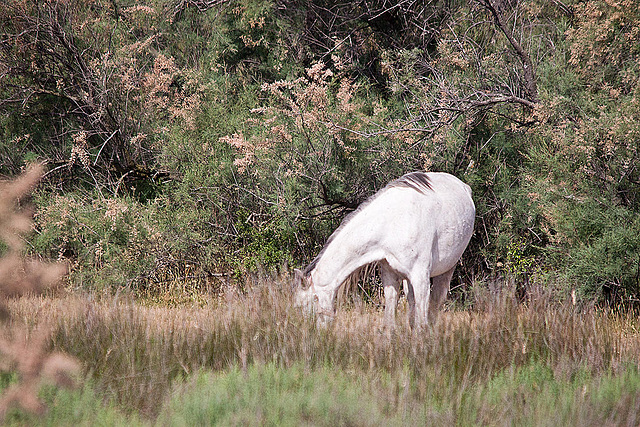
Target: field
x=162 y=160
x=250 y=358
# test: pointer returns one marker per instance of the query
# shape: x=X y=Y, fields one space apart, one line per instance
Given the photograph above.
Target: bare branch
x=527 y=65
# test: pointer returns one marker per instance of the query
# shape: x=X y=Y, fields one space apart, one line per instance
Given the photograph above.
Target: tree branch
x=531 y=87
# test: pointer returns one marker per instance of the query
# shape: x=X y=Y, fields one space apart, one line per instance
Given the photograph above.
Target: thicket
x=190 y=139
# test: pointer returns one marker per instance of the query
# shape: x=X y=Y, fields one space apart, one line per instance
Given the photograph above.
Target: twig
x=105 y=143
x=527 y=65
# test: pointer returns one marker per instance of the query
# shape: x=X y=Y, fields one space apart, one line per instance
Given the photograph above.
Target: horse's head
x=304 y=291
x=311 y=299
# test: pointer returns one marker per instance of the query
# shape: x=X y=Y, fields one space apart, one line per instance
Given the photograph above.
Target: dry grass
x=135 y=353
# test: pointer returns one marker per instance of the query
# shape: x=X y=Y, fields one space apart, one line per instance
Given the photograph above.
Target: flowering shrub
x=112 y=92
x=604 y=44
x=320 y=133
x=109 y=241
x=315 y=149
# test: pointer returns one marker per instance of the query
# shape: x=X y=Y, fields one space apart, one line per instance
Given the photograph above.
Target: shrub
x=107 y=239
x=241 y=133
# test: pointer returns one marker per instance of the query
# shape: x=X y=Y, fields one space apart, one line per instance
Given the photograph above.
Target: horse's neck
x=348 y=251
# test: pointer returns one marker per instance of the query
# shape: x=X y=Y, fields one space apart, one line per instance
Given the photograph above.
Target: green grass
x=534 y=396
x=81 y=407
x=272 y=395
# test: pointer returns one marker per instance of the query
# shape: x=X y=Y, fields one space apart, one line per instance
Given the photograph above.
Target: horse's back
x=434 y=225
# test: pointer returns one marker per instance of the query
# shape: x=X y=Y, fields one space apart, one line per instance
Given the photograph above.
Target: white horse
x=417 y=228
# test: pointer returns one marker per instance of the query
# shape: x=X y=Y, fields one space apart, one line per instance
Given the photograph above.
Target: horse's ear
x=298 y=278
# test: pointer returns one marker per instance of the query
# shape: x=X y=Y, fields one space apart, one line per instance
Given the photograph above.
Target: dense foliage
x=193 y=138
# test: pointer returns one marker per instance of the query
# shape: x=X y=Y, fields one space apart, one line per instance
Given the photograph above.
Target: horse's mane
x=418 y=181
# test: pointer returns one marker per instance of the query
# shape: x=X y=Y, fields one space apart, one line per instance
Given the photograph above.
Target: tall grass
x=135 y=355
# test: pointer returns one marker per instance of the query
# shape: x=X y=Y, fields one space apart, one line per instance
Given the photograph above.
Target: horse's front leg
x=391 y=282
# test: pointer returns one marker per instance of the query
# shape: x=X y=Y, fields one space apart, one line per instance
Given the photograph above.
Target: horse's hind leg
x=411 y=302
x=418 y=298
x=439 y=291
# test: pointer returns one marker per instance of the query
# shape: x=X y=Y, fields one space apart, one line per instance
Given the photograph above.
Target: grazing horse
x=416 y=228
